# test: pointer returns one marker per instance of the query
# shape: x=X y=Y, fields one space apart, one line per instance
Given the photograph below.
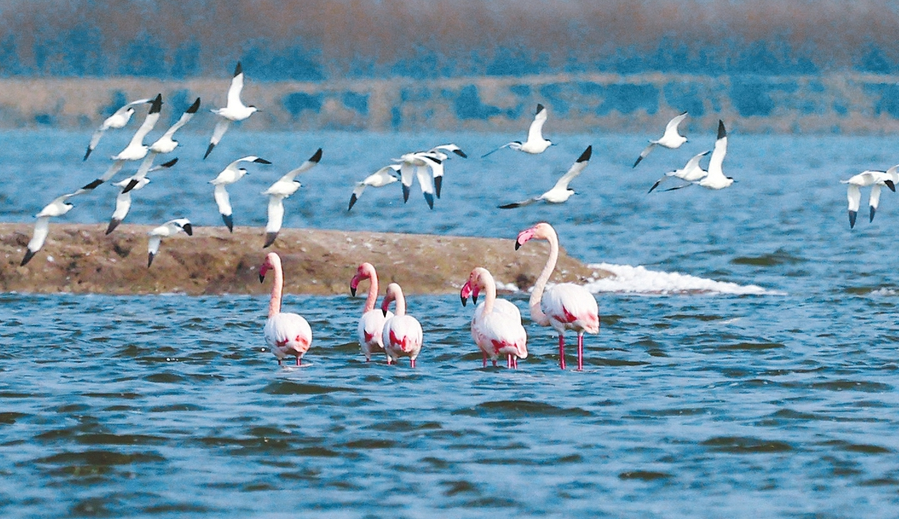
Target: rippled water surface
x=696 y=399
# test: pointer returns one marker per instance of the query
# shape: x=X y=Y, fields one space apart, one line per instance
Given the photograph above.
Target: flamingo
x=285 y=333
x=371 y=324
x=402 y=334
x=567 y=306
x=496 y=325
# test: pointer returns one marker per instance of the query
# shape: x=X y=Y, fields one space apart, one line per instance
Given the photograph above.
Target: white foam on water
x=639 y=280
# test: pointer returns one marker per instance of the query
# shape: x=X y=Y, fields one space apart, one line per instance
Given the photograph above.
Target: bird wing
x=671 y=128
x=529 y=201
x=41 y=229
x=693 y=163
x=275 y=213
x=304 y=167
x=874 y=197
x=235 y=88
x=574 y=170
x=535 y=131
x=222 y=200
x=185 y=117
x=718 y=153
x=426 y=182
x=95 y=140
x=220 y=128
x=854 y=195
x=153 y=245
x=149 y=121
x=645 y=152
x=122 y=205
x=501 y=147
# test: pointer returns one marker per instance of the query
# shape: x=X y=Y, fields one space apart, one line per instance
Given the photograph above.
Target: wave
x=639 y=280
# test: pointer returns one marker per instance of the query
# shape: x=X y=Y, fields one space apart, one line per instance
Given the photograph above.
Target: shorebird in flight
x=123 y=199
x=383 y=177
x=874 y=179
x=58 y=207
x=535 y=143
x=691 y=172
x=233 y=111
x=671 y=139
x=277 y=192
x=169 y=228
x=714 y=179
x=560 y=192
x=115 y=121
x=231 y=174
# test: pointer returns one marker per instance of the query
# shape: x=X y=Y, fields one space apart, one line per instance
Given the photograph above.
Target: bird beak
x=464 y=300
x=261 y=277
x=353 y=291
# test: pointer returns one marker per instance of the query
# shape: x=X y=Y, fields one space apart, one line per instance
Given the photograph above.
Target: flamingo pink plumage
x=566 y=306
x=285 y=333
x=496 y=326
x=371 y=324
x=402 y=334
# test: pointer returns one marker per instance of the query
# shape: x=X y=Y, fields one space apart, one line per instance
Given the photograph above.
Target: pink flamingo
x=402 y=333
x=285 y=333
x=566 y=306
x=496 y=325
x=372 y=321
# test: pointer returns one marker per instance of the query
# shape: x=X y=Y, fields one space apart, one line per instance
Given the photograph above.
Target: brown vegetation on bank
x=80 y=258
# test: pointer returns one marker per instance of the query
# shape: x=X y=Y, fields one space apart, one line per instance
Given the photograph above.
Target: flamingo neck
x=274 y=304
x=395 y=294
x=489 y=286
x=537 y=293
x=372 y=293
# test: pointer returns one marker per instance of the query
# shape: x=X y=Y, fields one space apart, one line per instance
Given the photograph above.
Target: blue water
x=696 y=403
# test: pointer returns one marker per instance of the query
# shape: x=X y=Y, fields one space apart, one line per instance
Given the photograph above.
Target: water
x=746 y=364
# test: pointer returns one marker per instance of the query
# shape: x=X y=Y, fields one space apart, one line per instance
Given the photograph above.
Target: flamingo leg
x=580 y=351
x=279 y=362
x=485 y=358
x=494 y=363
x=562 y=351
x=413 y=363
x=298 y=360
x=510 y=363
x=515 y=362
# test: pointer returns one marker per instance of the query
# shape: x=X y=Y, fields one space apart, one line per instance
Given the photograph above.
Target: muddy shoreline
x=80 y=258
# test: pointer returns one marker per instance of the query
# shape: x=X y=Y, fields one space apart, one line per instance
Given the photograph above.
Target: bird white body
x=277 y=192
x=691 y=172
x=371 y=325
x=560 y=192
x=715 y=178
x=383 y=177
x=136 y=148
x=231 y=174
x=115 y=121
x=565 y=306
x=286 y=334
x=402 y=335
x=169 y=228
x=234 y=109
x=671 y=139
x=535 y=143
x=123 y=199
x=873 y=179
x=418 y=165
x=496 y=325
x=167 y=143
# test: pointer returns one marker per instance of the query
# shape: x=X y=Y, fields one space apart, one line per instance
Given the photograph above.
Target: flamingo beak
x=353 y=290
x=464 y=300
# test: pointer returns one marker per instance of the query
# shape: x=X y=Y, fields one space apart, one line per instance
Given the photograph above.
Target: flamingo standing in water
x=402 y=333
x=496 y=325
x=371 y=324
x=566 y=306
x=285 y=333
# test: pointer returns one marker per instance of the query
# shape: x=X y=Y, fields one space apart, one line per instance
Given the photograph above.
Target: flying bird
x=233 y=111
x=57 y=207
x=123 y=199
x=437 y=171
x=671 y=139
x=383 y=177
x=535 y=143
x=418 y=165
x=560 y=192
x=115 y=121
x=691 y=172
x=277 y=192
x=714 y=178
x=874 y=179
x=169 y=228
x=231 y=174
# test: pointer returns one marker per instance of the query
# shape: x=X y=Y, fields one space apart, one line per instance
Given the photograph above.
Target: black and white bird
x=691 y=172
x=277 y=192
x=169 y=228
x=233 y=111
x=418 y=165
x=231 y=174
x=437 y=168
x=535 y=143
x=383 y=177
x=123 y=199
x=874 y=179
x=671 y=139
x=163 y=145
x=714 y=178
x=560 y=191
x=58 y=207
x=115 y=121
x=136 y=149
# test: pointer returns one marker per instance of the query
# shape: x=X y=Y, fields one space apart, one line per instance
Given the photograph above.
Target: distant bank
x=851 y=103
x=82 y=259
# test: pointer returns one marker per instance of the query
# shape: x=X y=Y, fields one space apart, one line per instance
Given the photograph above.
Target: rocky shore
x=80 y=258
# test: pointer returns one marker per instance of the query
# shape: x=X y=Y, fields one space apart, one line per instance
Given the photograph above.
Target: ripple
x=520 y=409
x=9 y=418
x=289 y=387
x=644 y=475
x=745 y=445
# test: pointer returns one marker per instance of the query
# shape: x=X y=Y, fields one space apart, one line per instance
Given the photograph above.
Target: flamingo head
x=388 y=297
x=540 y=231
x=270 y=261
x=364 y=271
x=468 y=291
